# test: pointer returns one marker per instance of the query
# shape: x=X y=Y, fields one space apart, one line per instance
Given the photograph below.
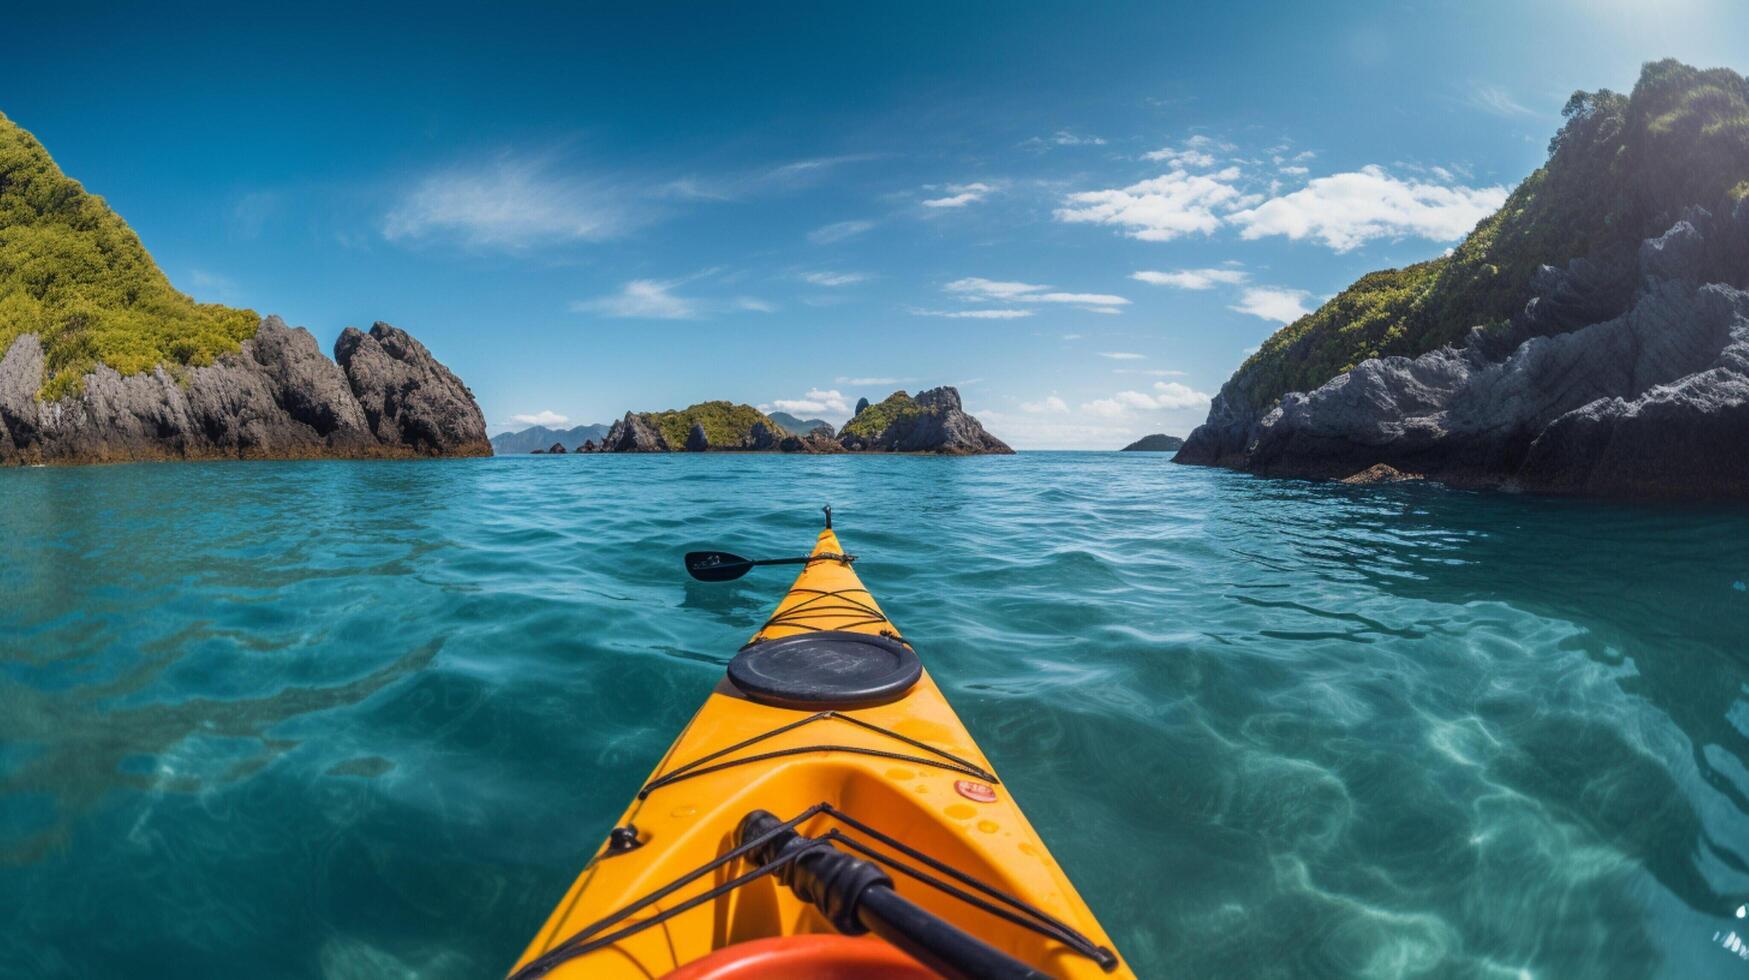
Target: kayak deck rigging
x=947 y=759
x=971 y=871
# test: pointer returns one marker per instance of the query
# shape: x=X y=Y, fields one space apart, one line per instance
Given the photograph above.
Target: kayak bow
x=825 y=789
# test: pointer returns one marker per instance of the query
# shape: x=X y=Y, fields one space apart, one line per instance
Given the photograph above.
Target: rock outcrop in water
x=932 y=422
x=275 y=398
x=1624 y=372
x=633 y=434
x=1159 y=442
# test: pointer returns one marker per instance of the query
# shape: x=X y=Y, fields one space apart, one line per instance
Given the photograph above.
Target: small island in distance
x=1159 y=442
x=931 y=422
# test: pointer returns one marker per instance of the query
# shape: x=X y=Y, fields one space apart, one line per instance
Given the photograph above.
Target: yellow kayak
x=824 y=814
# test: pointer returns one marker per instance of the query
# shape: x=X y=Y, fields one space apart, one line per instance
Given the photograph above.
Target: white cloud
x=1192 y=278
x=1159 y=209
x=1195 y=153
x=1171 y=394
x=870 y=382
x=835 y=278
x=974 y=314
x=1494 y=99
x=1151 y=372
x=816 y=401
x=1274 y=303
x=960 y=195
x=655 y=299
x=1185 y=158
x=1072 y=336
x=509 y=203
x=994 y=291
x=1346 y=210
x=1050 y=404
x=1295 y=171
x=546 y=417
x=1164 y=395
x=1121 y=355
x=838 y=231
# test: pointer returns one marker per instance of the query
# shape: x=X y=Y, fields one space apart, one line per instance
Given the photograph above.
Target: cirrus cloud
x=960 y=195
x=972 y=314
x=996 y=291
x=1192 y=278
x=509 y=202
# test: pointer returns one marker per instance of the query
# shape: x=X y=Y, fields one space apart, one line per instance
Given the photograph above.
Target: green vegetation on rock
x=1621 y=169
x=74 y=273
x=725 y=423
x=873 y=420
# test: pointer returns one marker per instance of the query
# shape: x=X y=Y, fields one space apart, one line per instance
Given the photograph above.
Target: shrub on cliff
x=725 y=423
x=74 y=273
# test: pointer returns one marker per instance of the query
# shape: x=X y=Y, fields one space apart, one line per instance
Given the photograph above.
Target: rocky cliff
x=276 y=397
x=102 y=360
x=1620 y=366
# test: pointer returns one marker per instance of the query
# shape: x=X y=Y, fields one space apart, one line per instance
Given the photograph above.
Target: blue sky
x=1083 y=215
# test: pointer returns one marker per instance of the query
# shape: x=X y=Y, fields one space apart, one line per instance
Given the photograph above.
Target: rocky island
x=1159 y=442
x=931 y=422
x=102 y=360
x=1591 y=337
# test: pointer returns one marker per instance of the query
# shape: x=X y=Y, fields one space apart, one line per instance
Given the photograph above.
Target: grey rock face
x=408 y=398
x=277 y=397
x=1652 y=401
x=696 y=440
x=861 y=403
x=761 y=437
x=633 y=434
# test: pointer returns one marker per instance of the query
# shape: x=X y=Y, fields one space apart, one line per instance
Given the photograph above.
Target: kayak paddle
x=720 y=566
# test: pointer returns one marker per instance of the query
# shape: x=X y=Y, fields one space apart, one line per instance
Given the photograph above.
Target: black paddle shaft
x=857 y=896
x=720 y=566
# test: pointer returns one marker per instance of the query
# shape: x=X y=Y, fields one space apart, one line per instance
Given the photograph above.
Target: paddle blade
x=716 y=566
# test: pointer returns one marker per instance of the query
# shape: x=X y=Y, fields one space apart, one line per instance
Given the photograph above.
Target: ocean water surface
x=358 y=720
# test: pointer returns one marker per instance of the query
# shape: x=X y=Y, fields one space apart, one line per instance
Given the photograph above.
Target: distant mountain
x=799 y=427
x=540 y=437
x=1159 y=442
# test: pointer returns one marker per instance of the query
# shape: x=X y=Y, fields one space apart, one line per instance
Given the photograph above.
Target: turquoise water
x=368 y=719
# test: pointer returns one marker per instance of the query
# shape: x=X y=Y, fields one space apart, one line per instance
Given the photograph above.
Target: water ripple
x=353 y=719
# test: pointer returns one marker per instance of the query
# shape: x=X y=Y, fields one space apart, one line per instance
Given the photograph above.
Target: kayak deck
x=907 y=768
